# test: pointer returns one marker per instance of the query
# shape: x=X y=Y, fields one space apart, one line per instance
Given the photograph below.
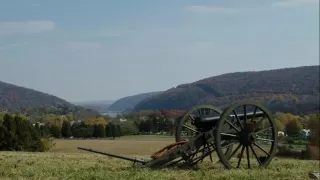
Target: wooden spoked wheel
x=251 y=129
x=190 y=125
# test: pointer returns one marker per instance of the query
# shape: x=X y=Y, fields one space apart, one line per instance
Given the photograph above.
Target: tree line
x=80 y=130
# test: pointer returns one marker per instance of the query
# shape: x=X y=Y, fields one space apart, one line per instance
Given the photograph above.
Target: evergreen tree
x=3 y=139
x=95 y=131
x=66 y=129
x=10 y=132
x=113 y=130
x=55 y=131
x=24 y=136
x=101 y=131
x=45 y=130
x=119 y=131
x=9 y=123
x=108 y=131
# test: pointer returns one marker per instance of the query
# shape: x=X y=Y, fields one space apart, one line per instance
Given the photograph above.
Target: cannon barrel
x=113 y=155
x=241 y=116
x=209 y=122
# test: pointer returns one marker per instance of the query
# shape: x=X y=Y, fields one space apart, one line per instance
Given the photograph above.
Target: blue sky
x=107 y=49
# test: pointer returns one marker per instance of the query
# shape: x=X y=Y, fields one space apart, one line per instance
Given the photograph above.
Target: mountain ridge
x=264 y=86
x=126 y=104
x=10 y=93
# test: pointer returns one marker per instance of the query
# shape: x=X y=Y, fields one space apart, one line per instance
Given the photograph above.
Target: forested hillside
x=16 y=97
x=126 y=104
x=19 y=99
x=294 y=90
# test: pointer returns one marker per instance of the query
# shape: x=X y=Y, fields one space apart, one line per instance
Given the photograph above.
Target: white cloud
x=295 y=2
x=27 y=27
x=210 y=9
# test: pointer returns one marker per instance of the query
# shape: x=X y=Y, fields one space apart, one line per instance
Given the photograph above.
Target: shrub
x=286 y=151
x=46 y=144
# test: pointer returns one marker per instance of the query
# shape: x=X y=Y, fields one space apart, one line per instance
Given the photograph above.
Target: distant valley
x=294 y=90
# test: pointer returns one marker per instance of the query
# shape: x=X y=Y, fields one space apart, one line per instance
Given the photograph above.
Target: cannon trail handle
x=113 y=155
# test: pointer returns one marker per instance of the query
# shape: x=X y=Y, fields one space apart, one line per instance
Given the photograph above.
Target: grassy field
x=66 y=162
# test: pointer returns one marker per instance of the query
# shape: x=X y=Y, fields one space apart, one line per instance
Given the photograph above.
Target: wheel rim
x=245 y=132
x=187 y=126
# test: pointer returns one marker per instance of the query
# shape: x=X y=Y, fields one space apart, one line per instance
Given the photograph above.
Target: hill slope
x=20 y=99
x=129 y=102
x=293 y=90
x=16 y=97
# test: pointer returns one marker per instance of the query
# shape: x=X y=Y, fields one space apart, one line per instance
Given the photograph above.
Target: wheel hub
x=247 y=137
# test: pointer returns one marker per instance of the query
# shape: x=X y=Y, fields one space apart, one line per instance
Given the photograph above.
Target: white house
x=280 y=133
x=305 y=133
x=123 y=119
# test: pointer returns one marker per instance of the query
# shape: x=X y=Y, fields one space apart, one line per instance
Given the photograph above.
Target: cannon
x=205 y=130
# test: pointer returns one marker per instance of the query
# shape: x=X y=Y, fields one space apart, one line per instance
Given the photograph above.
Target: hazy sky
x=107 y=49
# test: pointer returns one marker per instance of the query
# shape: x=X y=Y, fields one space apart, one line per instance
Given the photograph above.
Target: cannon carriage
x=235 y=135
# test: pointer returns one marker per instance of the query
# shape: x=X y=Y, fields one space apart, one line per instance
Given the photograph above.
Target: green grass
x=66 y=162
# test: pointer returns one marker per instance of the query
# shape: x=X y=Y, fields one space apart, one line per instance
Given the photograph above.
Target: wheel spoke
x=210 y=156
x=264 y=115
x=258 y=123
x=237 y=117
x=255 y=155
x=263 y=130
x=245 y=123
x=254 y=113
x=191 y=117
x=241 y=154
x=235 y=151
x=228 y=145
x=262 y=139
x=248 y=157
x=261 y=148
x=232 y=125
x=230 y=135
x=188 y=127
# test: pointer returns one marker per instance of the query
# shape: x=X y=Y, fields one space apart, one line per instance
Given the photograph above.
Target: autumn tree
x=279 y=125
x=96 y=120
x=314 y=126
x=293 y=128
x=284 y=118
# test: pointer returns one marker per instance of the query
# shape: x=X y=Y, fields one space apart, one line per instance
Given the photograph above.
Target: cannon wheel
x=185 y=123
x=247 y=133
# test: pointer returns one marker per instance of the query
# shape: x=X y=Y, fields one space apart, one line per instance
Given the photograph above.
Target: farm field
x=66 y=162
